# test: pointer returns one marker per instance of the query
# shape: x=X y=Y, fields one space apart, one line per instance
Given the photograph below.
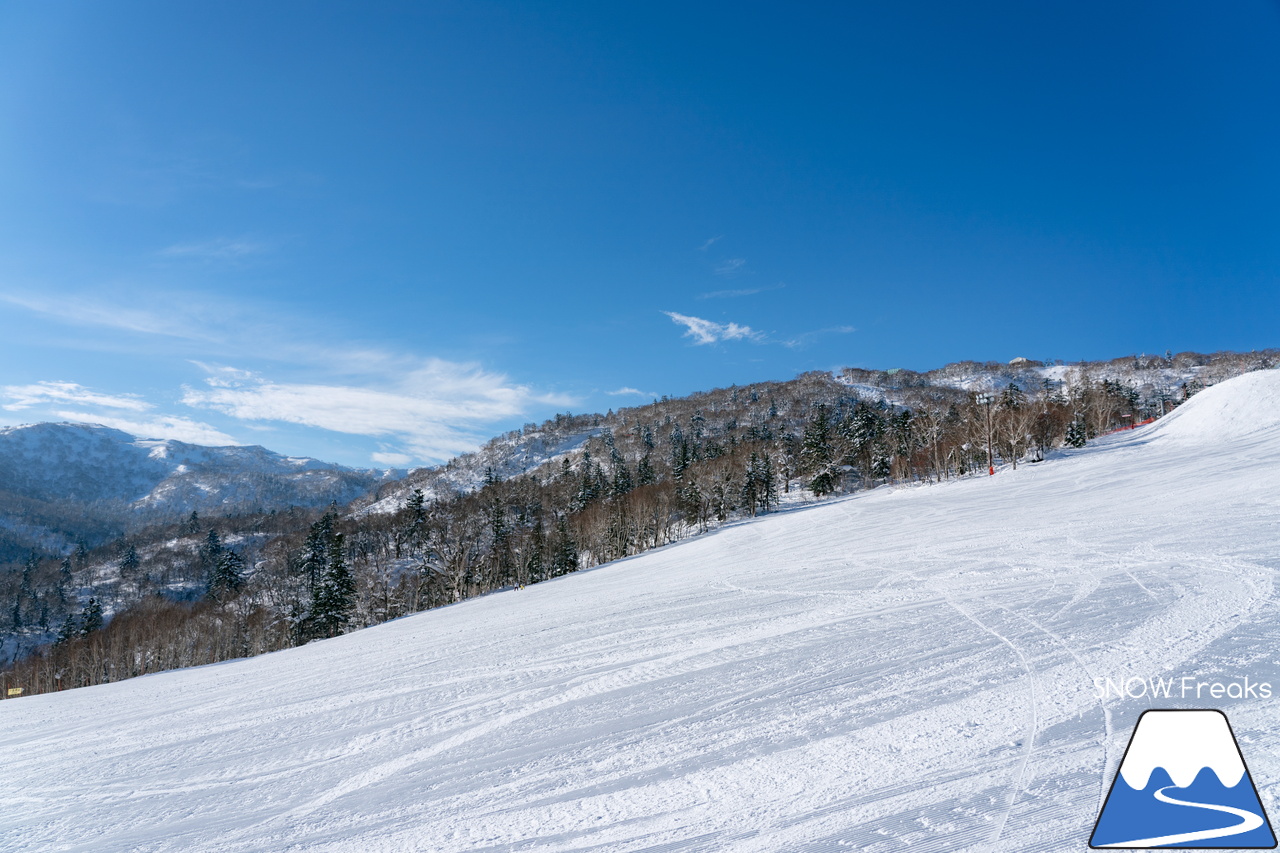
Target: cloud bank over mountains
x=238 y=372
x=433 y=411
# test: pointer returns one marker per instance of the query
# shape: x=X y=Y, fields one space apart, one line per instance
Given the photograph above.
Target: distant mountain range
x=61 y=483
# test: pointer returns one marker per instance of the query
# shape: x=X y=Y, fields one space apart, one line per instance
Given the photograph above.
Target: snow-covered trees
x=1077 y=435
x=129 y=563
x=564 y=550
x=91 y=618
x=315 y=553
x=759 y=491
x=82 y=624
x=1015 y=420
x=628 y=481
x=335 y=593
x=228 y=575
x=535 y=563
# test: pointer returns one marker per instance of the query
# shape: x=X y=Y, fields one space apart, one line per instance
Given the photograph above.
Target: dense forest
x=219 y=587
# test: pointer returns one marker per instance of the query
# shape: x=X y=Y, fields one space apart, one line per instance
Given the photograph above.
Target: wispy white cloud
x=175 y=315
x=711 y=242
x=431 y=412
x=732 y=294
x=43 y=394
x=221 y=376
x=424 y=408
x=805 y=337
x=709 y=332
x=219 y=249
x=628 y=391
x=127 y=412
x=394 y=460
x=730 y=266
x=211 y=326
x=175 y=427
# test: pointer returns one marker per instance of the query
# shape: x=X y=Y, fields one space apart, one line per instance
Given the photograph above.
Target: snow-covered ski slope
x=906 y=669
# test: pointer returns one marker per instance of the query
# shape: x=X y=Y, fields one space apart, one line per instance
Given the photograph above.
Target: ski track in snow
x=909 y=668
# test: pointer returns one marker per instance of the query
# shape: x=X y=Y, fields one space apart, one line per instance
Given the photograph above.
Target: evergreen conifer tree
x=564 y=555
x=535 y=568
x=1012 y=397
x=1077 y=435
x=689 y=500
x=69 y=631
x=25 y=592
x=415 y=507
x=680 y=459
x=823 y=484
x=129 y=562
x=622 y=482
x=588 y=483
x=768 y=488
x=750 y=485
x=315 y=553
x=501 y=560
x=336 y=593
x=815 y=450
x=644 y=472
x=228 y=575
x=91 y=619
x=904 y=437
x=881 y=464
x=212 y=549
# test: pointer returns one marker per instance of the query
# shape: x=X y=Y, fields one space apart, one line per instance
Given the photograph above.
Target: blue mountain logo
x=1183 y=783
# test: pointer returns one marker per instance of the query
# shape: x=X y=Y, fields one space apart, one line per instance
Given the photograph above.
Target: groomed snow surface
x=905 y=669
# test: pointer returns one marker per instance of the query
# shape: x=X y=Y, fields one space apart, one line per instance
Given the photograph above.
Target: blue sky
x=378 y=233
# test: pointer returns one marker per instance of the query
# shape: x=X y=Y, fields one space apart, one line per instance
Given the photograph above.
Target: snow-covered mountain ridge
x=906 y=668
x=1159 y=381
x=92 y=462
x=68 y=468
x=503 y=457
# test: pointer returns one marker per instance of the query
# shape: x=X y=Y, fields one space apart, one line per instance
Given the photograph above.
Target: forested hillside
x=550 y=499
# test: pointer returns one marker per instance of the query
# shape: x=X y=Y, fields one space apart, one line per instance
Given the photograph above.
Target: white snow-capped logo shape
x=1183 y=783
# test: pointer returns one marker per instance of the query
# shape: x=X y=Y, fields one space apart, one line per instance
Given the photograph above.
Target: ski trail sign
x=1183 y=783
